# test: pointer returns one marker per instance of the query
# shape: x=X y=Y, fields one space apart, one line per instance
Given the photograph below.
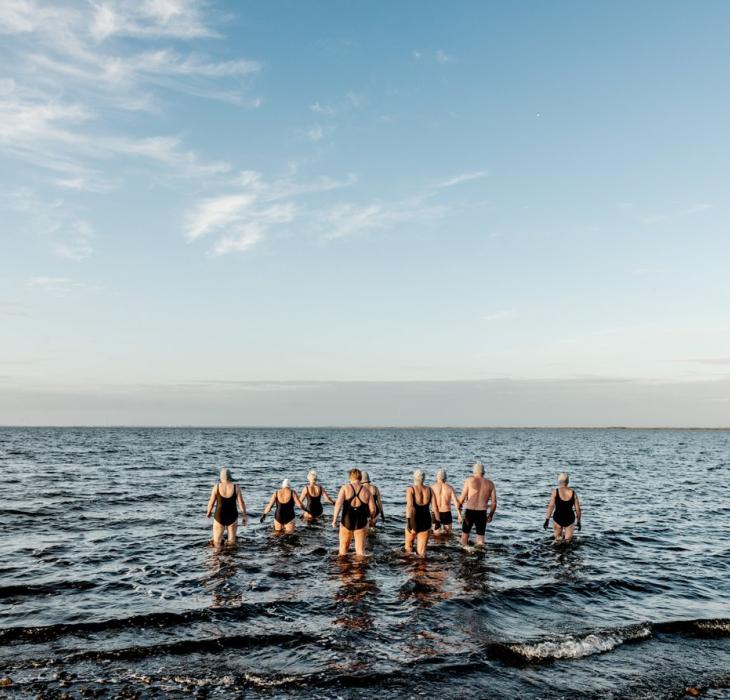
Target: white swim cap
x=563 y=478
x=365 y=478
x=312 y=476
x=286 y=484
x=418 y=476
x=441 y=475
x=478 y=468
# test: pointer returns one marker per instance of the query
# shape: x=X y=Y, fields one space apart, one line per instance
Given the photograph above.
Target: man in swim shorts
x=444 y=494
x=477 y=493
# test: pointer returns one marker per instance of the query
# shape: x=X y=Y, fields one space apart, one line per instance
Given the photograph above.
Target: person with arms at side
x=224 y=497
x=445 y=495
x=375 y=491
x=312 y=494
x=564 y=507
x=477 y=494
x=285 y=499
x=420 y=502
x=358 y=509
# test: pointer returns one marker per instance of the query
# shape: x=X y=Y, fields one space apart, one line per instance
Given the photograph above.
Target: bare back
x=477 y=492
x=444 y=494
x=364 y=495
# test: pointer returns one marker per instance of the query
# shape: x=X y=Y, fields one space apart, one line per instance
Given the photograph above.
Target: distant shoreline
x=364 y=427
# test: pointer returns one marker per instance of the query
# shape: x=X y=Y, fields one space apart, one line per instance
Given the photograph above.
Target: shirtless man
x=477 y=493
x=444 y=494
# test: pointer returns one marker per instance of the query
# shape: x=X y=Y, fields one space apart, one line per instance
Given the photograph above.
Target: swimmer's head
x=365 y=478
x=441 y=475
x=418 y=477
x=312 y=476
x=226 y=474
x=478 y=468
x=563 y=479
x=286 y=484
x=355 y=474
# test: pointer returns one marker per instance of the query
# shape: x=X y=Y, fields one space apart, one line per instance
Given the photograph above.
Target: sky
x=341 y=213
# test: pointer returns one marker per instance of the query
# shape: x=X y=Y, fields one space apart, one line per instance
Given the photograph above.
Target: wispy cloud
x=501 y=315
x=242 y=218
x=68 y=233
x=439 y=56
x=54 y=284
x=660 y=218
x=75 y=67
x=352 y=100
x=464 y=177
x=350 y=219
x=315 y=132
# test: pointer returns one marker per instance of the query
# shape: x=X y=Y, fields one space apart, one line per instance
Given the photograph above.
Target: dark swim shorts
x=475 y=518
x=444 y=519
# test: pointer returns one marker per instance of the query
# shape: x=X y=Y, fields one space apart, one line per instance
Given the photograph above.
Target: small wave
x=160 y=620
x=30 y=590
x=571 y=646
x=717 y=627
x=579 y=646
x=214 y=645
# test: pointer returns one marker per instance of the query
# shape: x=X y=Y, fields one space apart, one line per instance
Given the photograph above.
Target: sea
x=109 y=587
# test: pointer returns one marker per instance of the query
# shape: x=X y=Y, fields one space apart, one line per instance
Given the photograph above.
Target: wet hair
x=286 y=484
x=563 y=478
x=355 y=474
x=365 y=478
x=418 y=476
x=312 y=476
x=478 y=468
x=225 y=474
x=441 y=475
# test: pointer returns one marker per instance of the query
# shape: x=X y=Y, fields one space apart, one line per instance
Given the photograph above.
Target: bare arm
x=297 y=502
x=577 y=506
x=551 y=506
x=409 y=506
x=464 y=493
x=242 y=505
x=303 y=494
x=371 y=507
x=380 y=503
x=338 y=506
x=453 y=498
x=326 y=496
x=493 y=498
x=434 y=506
x=211 y=501
x=270 y=504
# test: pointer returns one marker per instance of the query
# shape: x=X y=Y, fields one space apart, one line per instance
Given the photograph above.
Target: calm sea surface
x=108 y=587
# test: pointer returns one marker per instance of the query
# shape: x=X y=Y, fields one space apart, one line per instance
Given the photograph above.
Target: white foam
x=578 y=647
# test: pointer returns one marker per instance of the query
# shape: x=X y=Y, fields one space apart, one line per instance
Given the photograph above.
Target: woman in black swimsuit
x=563 y=502
x=419 y=505
x=358 y=508
x=313 y=494
x=285 y=499
x=224 y=497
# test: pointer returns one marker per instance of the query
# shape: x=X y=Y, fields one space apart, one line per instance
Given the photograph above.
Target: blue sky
x=206 y=194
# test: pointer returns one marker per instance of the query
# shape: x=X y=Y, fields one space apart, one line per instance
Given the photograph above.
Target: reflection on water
x=354 y=594
x=126 y=609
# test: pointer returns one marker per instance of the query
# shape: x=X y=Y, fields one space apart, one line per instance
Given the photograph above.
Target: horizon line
x=162 y=426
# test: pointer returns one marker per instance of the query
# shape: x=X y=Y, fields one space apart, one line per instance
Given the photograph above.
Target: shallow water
x=108 y=587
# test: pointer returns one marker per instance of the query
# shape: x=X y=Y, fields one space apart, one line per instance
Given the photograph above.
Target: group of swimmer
x=428 y=509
